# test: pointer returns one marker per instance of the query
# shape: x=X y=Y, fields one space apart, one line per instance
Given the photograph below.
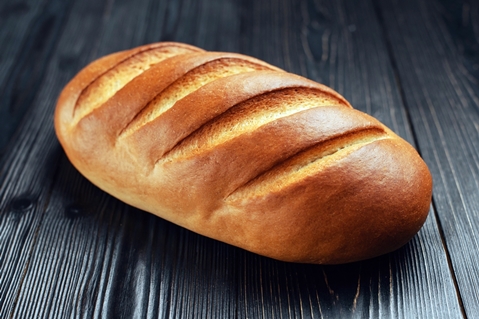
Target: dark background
x=68 y=250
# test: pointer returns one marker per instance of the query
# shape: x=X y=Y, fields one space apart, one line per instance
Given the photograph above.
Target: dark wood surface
x=68 y=250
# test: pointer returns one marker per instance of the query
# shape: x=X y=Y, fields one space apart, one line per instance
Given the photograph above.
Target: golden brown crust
x=240 y=151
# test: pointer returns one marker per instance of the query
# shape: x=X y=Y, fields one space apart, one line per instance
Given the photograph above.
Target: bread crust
x=235 y=149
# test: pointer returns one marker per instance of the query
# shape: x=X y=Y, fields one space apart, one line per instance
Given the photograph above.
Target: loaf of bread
x=240 y=151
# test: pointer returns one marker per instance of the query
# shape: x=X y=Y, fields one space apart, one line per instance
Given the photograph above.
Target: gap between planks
x=402 y=94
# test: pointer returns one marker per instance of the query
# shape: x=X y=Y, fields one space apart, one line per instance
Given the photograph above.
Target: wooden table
x=68 y=250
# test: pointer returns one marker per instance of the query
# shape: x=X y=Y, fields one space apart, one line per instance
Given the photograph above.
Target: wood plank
x=85 y=254
x=212 y=25
x=28 y=33
x=30 y=165
x=436 y=48
x=98 y=288
x=341 y=44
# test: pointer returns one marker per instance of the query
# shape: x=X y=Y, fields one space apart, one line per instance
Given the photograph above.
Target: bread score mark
x=247 y=116
x=187 y=84
x=100 y=89
x=306 y=163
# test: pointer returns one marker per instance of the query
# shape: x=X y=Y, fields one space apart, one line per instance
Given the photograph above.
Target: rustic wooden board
x=342 y=44
x=436 y=48
x=29 y=167
x=69 y=250
x=29 y=32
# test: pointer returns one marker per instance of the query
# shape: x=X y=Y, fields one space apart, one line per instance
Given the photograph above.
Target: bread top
x=238 y=150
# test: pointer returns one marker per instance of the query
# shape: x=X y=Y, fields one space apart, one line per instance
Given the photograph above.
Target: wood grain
x=28 y=171
x=69 y=250
x=435 y=46
x=343 y=46
x=28 y=49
